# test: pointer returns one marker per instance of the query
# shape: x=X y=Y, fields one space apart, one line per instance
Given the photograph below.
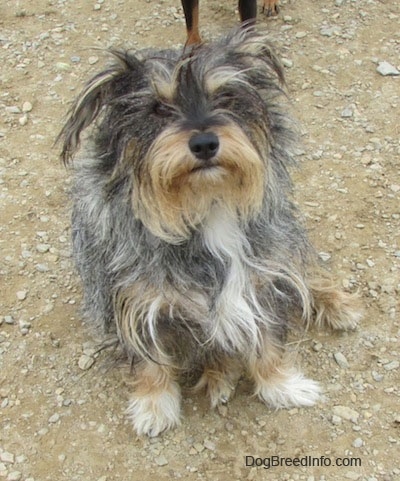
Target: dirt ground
x=60 y=419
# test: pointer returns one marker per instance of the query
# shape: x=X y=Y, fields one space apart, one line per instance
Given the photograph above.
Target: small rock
x=85 y=362
x=336 y=420
x=347 y=113
x=9 y=320
x=6 y=457
x=317 y=346
x=329 y=31
x=391 y=366
x=27 y=107
x=346 y=413
x=42 y=248
x=199 y=447
x=385 y=69
x=93 y=60
x=62 y=66
x=21 y=295
x=24 y=326
x=23 y=120
x=341 y=360
x=324 y=256
x=209 y=445
x=358 y=443
x=54 y=418
x=13 y=109
x=161 y=461
x=287 y=62
x=376 y=376
x=14 y=476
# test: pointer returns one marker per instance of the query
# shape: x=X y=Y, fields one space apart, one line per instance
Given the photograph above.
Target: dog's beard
x=176 y=192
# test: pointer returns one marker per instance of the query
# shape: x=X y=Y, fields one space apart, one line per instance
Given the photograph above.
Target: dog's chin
x=211 y=173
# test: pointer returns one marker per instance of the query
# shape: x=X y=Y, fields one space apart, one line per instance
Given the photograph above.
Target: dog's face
x=191 y=130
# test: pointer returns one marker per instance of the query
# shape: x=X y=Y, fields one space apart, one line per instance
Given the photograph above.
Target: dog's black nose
x=204 y=145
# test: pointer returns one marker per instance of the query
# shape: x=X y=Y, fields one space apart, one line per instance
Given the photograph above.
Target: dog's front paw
x=292 y=390
x=336 y=309
x=153 y=413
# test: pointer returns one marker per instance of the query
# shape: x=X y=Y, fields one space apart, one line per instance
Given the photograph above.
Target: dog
x=184 y=233
x=247 y=13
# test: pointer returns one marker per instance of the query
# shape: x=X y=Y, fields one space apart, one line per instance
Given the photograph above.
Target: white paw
x=294 y=390
x=154 y=413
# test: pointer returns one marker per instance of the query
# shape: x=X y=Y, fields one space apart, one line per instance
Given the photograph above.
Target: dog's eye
x=162 y=110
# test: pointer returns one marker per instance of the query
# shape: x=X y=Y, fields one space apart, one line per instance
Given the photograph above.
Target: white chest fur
x=237 y=313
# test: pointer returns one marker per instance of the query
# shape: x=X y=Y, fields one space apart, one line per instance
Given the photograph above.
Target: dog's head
x=190 y=129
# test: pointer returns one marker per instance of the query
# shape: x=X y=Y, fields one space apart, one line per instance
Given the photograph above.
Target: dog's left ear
x=98 y=92
x=255 y=49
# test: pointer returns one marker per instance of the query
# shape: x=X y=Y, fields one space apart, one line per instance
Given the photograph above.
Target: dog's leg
x=155 y=404
x=277 y=382
x=270 y=7
x=219 y=378
x=332 y=307
x=191 y=11
x=248 y=10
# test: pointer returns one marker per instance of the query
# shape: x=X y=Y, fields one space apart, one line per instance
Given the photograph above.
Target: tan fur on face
x=172 y=197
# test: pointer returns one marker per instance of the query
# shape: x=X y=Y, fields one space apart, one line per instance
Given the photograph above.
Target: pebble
x=391 y=366
x=93 y=59
x=324 y=256
x=14 y=476
x=161 y=460
x=346 y=413
x=341 y=360
x=385 y=69
x=62 y=66
x=13 y=109
x=23 y=120
x=54 y=418
x=7 y=457
x=358 y=443
x=24 y=327
x=376 y=376
x=209 y=445
x=317 y=346
x=42 y=248
x=27 y=107
x=347 y=113
x=85 y=362
x=21 y=295
x=287 y=62
x=199 y=447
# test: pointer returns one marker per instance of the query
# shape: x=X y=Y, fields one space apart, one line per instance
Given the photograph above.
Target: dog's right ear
x=98 y=92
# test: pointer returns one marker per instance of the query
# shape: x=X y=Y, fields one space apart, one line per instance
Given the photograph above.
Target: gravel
x=57 y=391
